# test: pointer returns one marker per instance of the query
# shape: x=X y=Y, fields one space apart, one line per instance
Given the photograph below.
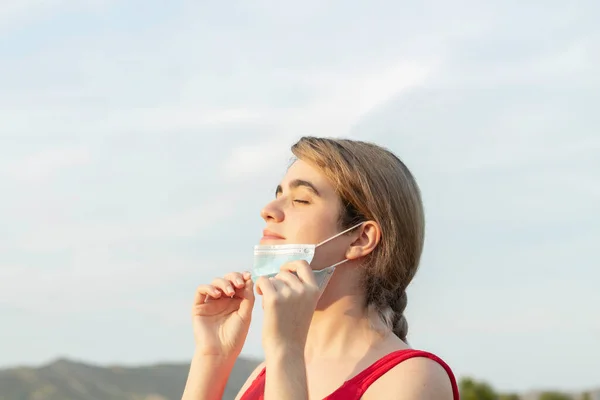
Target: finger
x=237 y=279
x=247 y=303
x=247 y=275
x=290 y=279
x=302 y=270
x=264 y=287
x=206 y=291
x=225 y=285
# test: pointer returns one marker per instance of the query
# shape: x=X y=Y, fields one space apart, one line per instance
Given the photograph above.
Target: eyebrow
x=296 y=183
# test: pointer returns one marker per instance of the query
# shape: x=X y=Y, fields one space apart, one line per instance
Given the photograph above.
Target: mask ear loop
x=336 y=264
x=339 y=234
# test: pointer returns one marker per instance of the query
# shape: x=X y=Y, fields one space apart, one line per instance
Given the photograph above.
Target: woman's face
x=306 y=211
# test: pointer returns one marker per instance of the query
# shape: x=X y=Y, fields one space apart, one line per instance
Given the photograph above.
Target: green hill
x=68 y=380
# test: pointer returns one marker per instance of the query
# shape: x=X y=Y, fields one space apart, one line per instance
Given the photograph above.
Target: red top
x=354 y=388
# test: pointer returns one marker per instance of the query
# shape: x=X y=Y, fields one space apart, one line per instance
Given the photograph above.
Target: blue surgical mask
x=268 y=259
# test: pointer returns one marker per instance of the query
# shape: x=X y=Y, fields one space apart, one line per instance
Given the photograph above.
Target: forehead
x=304 y=171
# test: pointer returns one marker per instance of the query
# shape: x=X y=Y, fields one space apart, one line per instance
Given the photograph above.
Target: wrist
x=215 y=359
x=286 y=373
x=208 y=376
x=284 y=352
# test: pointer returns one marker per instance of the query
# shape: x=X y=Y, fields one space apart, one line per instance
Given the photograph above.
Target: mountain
x=65 y=379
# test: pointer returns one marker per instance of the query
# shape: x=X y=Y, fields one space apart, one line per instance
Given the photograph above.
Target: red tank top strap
x=361 y=382
x=354 y=388
x=256 y=390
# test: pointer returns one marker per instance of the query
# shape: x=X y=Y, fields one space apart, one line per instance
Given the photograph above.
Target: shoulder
x=250 y=379
x=419 y=378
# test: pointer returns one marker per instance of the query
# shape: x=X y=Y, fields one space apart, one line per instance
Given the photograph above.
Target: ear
x=368 y=238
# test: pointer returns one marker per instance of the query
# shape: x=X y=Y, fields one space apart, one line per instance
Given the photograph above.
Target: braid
x=389 y=303
x=400 y=326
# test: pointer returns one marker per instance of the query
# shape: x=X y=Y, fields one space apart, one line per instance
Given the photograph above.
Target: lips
x=270 y=235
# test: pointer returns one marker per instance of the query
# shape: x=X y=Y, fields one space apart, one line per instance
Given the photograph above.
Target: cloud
x=186 y=117
x=73 y=120
x=572 y=59
x=45 y=164
x=58 y=234
x=342 y=100
x=84 y=265
x=92 y=281
x=16 y=13
x=247 y=161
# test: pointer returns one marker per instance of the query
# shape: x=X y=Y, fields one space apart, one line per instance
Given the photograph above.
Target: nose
x=272 y=213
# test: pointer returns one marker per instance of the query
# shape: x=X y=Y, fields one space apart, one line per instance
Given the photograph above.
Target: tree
x=555 y=396
x=471 y=390
x=511 y=396
x=586 y=396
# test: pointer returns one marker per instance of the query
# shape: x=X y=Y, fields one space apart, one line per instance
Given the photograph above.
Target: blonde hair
x=373 y=184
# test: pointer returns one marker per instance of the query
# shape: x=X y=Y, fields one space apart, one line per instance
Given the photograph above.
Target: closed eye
x=301 y=201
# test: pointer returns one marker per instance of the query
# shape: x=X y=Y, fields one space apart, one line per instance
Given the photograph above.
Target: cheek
x=311 y=224
x=307 y=231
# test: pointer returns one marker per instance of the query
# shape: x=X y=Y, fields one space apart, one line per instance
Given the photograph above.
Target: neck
x=340 y=328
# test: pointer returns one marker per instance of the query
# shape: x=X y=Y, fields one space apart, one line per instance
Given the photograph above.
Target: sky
x=140 y=139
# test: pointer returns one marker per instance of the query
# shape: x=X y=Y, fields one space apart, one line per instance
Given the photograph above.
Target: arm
x=207 y=377
x=286 y=375
x=415 y=379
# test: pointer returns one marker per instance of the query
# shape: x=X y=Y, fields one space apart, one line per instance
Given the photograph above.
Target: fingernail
x=239 y=281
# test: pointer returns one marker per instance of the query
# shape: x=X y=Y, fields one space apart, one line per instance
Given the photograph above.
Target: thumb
x=247 y=303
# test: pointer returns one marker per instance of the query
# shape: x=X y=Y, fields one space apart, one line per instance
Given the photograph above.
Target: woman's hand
x=221 y=315
x=289 y=302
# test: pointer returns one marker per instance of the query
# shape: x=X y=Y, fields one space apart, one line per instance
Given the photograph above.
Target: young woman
x=342 y=338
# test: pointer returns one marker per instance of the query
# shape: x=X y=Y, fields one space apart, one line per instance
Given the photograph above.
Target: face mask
x=268 y=259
